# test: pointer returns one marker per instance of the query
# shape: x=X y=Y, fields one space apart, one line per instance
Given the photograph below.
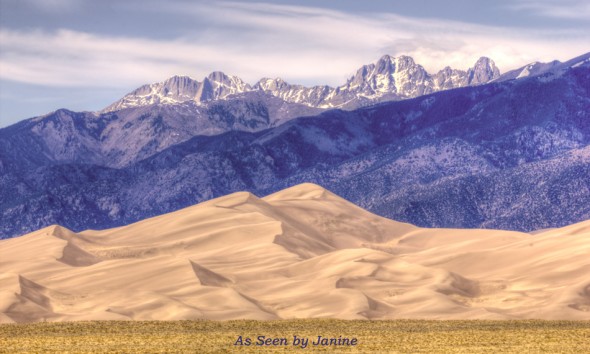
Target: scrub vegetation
x=392 y=336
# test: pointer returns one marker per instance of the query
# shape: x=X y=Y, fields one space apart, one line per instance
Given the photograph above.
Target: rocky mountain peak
x=386 y=58
x=179 y=79
x=388 y=78
x=218 y=76
x=404 y=62
x=224 y=85
x=268 y=84
x=385 y=65
x=178 y=87
x=483 y=71
x=227 y=80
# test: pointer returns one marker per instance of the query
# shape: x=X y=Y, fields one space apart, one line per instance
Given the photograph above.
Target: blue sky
x=83 y=54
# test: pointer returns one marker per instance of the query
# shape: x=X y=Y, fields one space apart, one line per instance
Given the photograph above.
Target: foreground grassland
x=399 y=336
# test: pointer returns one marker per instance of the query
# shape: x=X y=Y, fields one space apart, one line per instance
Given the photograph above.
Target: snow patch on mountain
x=389 y=78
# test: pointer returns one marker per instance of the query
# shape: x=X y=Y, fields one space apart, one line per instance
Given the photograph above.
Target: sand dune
x=303 y=252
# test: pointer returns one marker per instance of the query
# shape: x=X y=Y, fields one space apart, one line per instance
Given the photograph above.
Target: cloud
x=564 y=9
x=252 y=40
x=53 y=5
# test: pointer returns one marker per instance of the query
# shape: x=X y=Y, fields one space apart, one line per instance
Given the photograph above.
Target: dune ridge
x=303 y=252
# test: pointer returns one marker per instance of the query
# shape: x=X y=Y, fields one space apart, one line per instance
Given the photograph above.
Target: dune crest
x=302 y=252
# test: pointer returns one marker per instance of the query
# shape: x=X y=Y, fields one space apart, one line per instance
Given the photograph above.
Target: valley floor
x=398 y=336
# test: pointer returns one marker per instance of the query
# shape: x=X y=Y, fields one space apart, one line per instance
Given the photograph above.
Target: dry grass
x=399 y=336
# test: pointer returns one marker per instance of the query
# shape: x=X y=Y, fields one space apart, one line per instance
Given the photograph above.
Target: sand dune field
x=299 y=253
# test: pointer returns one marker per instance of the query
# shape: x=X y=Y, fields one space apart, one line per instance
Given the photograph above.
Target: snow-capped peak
x=178 y=89
x=271 y=85
x=388 y=78
x=224 y=85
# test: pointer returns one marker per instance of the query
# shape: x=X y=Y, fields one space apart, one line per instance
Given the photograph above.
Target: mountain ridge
x=509 y=154
x=388 y=78
x=538 y=68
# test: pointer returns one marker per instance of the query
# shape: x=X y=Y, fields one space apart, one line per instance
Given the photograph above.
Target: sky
x=83 y=54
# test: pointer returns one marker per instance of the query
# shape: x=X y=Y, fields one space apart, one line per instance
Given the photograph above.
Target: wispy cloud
x=564 y=9
x=53 y=5
x=252 y=40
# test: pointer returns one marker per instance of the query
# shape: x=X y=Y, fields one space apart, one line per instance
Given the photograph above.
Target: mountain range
x=388 y=79
x=477 y=149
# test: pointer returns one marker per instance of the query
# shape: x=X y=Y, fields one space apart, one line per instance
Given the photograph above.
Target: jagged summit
x=399 y=76
x=389 y=78
x=178 y=89
x=268 y=84
x=224 y=85
x=483 y=71
x=173 y=90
